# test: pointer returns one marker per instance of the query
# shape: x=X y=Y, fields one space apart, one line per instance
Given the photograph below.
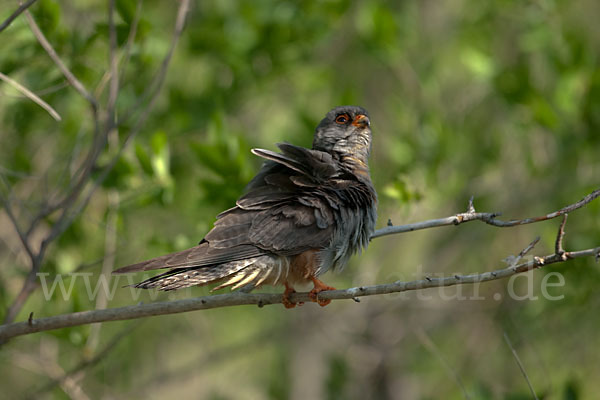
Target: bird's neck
x=357 y=165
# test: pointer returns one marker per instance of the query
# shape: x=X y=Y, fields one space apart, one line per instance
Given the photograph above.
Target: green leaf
x=143 y=158
x=160 y=159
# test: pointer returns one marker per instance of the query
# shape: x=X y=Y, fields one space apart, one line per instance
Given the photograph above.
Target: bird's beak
x=361 y=121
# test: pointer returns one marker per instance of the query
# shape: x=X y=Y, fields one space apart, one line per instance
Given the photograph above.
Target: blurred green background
x=496 y=99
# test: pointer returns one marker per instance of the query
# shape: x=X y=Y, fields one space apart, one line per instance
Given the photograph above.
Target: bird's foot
x=319 y=287
x=287 y=303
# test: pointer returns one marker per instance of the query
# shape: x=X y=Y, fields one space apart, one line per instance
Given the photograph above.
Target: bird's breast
x=355 y=221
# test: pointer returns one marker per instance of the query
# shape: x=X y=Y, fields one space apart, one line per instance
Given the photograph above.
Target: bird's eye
x=342 y=119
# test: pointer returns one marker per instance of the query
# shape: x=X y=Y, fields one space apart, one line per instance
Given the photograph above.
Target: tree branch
x=113 y=89
x=86 y=363
x=156 y=84
x=263 y=299
x=488 y=218
x=13 y=219
x=75 y=201
x=63 y=68
x=32 y=96
x=15 y=14
x=131 y=312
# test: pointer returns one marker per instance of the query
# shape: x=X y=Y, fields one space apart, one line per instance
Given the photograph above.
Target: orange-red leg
x=287 y=303
x=319 y=287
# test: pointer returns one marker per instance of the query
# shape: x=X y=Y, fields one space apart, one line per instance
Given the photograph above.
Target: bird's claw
x=319 y=287
x=287 y=303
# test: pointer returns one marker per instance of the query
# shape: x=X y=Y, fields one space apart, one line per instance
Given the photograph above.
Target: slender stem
x=488 y=218
x=520 y=364
x=263 y=299
x=15 y=14
x=32 y=96
x=59 y=63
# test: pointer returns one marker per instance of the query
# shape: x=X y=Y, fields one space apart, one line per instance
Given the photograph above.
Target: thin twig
x=156 y=84
x=183 y=8
x=520 y=364
x=67 y=202
x=113 y=89
x=433 y=349
x=512 y=260
x=52 y=89
x=81 y=176
x=32 y=96
x=124 y=57
x=529 y=247
x=13 y=219
x=255 y=343
x=47 y=364
x=54 y=56
x=69 y=209
x=108 y=264
x=558 y=246
x=85 y=364
x=488 y=218
x=239 y=298
x=131 y=36
x=15 y=14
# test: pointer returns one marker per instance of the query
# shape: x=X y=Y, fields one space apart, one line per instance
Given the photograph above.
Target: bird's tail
x=238 y=274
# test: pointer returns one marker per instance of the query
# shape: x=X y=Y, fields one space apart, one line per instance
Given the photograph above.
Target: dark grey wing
x=197 y=256
x=292 y=228
x=314 y=164
x=290 y=213
x=282 y=213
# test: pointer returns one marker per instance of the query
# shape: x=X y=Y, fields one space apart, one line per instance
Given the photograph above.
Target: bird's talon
x=287 y=303
x=319 y=287
x=314 y=296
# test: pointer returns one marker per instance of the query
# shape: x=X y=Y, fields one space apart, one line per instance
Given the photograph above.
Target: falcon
x=305 y=213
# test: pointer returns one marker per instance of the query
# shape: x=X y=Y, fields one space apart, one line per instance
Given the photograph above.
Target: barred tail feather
x=194 y=276
x=244 y=274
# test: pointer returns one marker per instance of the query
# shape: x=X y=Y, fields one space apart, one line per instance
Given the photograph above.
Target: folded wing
x=284 y=212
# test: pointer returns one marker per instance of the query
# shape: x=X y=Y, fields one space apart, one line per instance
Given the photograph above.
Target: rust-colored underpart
x=319 y=287
x=303 y=268
x=287 y=303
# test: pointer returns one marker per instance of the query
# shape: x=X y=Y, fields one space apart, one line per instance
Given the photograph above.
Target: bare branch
x=513 y=260
x=520 y=364
x=13 y=219
x=156 y=84
x=179 y=25
x=67 y=202
x=124 y=57
x=558 y=246
x=85 y=364
x=529 y=247
x=113 y=89
x=32 y=96
x=15 y=14
x=488 y=218
x=131 y=36
x=63 y=68
x=73 y=203
x=108 y=264
x=262 y=299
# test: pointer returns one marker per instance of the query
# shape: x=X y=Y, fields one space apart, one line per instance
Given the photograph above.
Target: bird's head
x=346 y=132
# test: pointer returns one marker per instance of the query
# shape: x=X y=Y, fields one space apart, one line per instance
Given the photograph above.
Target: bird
x=307 y=211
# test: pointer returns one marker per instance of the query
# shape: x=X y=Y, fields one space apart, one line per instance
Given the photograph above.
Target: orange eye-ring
x=342 y=119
